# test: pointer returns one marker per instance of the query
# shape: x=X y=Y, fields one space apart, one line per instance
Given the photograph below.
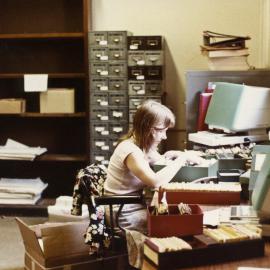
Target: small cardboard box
x=57 y=100
x=12 y=105
x=175 y=224
x=55 y=246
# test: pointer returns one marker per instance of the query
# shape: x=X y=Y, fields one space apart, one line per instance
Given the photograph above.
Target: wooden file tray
x=209 y=252
x=201 y=197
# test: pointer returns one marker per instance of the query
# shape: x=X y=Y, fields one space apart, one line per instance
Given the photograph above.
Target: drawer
x=99 y=54
x=99 y=99
x=136 y=43
x=136 y=73
x=153 y=42
x=113 y=143
x=99 y=114
x=101 y=158
x=153 y=73
x=118 y=113
x=136 y=58
x=99 y=84
x=136 y=88
x=116 y=99
x=117 y=69
x=118 y=129
x=99 y=69
x=100 y=145
x=135 y=103
x=118 y=85
x=98 y=38
x=118 y=38
x=153 y=87
x=117 y=54
x=154 y=58
x=99 y=129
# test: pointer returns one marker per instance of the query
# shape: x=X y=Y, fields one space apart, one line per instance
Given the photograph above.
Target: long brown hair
x=147 y=116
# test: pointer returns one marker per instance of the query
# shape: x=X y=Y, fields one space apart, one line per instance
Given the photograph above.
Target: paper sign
x=35 y=82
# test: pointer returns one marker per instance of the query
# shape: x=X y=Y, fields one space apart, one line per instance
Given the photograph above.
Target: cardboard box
x=12 y=105
x=175 y=224
x=56 y=246
x=57 y=100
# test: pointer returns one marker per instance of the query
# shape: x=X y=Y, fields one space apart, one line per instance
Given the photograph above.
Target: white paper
x=259 y=161
x=35 y=82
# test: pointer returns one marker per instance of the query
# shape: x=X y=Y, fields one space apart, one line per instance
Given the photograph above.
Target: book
x=225 y=53
x=204 y=101
x=228 y=63
x=218 y=40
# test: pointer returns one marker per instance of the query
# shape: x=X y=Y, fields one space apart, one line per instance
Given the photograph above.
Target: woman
x=129 y=168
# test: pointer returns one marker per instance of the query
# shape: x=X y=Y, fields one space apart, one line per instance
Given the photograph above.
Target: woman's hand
x=172 y=154
x=191 y=157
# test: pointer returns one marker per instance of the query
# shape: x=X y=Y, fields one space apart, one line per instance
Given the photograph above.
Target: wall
x=181 y=22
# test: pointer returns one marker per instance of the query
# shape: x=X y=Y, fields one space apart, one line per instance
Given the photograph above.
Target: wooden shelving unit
x=45 y=37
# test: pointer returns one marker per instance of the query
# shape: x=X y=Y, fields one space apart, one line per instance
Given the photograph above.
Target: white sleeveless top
x=119 y=179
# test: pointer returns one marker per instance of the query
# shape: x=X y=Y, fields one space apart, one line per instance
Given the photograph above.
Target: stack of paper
x=61 y=211
x=21 y=191
x=16 y=150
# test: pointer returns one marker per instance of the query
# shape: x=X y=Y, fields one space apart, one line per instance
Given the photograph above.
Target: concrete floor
x=11 y=243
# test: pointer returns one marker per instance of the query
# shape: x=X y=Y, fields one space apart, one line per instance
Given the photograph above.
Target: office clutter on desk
x=225 y=52
x=212 y=246
x=19 y=151
x=21 y=191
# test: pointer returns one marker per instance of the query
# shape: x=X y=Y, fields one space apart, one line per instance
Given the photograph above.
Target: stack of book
x=228 y=53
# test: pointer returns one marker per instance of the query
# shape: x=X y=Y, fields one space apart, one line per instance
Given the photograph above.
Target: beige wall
x=181 y=22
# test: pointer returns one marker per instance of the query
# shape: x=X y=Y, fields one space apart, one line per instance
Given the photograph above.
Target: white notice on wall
x=35 y=82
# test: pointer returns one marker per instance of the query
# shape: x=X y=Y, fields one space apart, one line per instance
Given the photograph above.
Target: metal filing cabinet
x=109 y=92
x=145 y=70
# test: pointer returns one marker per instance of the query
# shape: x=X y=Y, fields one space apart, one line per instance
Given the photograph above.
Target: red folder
x=203 y=106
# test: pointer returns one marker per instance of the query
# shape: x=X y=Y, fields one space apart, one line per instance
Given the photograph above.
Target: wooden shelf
x=42 y=36
x=44 y=115
x=45 y=37
x=61 y=157
x=50 y=75
x=39 y=209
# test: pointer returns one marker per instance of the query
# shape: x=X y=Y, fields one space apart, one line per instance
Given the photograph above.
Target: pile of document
x=15 y=150
x=21 y=191
x=61 y=211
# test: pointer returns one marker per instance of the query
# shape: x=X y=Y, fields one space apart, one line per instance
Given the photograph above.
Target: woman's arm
x=140 y=167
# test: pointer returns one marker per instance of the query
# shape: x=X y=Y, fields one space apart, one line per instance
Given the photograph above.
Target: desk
x=263 y=262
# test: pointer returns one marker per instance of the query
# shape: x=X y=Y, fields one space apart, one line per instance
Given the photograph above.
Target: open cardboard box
x=174 y=224
x=55 y=246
